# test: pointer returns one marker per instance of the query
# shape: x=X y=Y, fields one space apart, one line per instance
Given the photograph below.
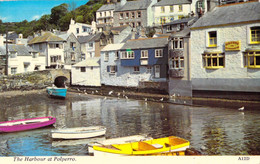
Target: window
x=112 y=69
x=162 y=9
x=121 y=16
x=72 y=54
x=35 y=55
x=90 y=45
x=40 y=46
x=252 y=59
x=126 y=15
x=13 y=70
x=106 y=56
x=144 y=54
x=133 y=24
x=149 y=69
x=121 y=24
x=255 y=35
x=139 y=14
x=51 y=46
x=100 y=14
x=177 y=62
x=105 y=13
x=199 y=4
x=73 y=45
x=171 y=9
x=83 y=57
x=13 y=54
x=136 y=69
x=169 y=28
x=82 y=69
x=162 y=20
x=77 y=30
x=213 y=39
x=127 y=55
x=178 y=43
x=159 y=53
x=133 y=15
x=180 y=8
x=117 y=55
x=138 y=24
x=213 y=60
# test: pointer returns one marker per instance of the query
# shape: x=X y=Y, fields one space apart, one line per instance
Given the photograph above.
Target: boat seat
x=175 y=141
x=142 y=146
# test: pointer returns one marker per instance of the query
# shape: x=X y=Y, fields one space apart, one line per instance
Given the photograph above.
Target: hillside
x=58 y=19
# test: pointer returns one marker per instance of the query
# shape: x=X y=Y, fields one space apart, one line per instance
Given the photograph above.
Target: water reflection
x=220 y=131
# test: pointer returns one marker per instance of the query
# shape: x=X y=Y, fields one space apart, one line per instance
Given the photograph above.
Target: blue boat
x=56 y=92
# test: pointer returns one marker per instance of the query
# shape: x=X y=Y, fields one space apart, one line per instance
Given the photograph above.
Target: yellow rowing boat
x=157 y=146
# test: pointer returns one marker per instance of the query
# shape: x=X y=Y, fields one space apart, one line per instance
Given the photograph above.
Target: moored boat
x=56 y=92
x=160 y=146
x=26 y=124
x=78 y=133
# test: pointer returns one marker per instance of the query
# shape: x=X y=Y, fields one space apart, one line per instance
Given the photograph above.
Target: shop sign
x=233 y=46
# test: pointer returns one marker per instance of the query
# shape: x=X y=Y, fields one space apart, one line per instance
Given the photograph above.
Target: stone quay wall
x=32 y=80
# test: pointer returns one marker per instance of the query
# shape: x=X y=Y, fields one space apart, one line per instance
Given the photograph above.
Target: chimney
x=108 y=1
x=133 y=34
x=122 y=2
x=20 y=36
x=72 y=21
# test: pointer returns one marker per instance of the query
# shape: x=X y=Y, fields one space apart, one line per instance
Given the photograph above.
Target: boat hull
x=149 y=147
x=57 y=92
x=26 y=124
x=78 y=133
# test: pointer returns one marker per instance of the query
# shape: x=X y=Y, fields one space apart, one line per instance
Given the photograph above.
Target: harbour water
x=211 y=130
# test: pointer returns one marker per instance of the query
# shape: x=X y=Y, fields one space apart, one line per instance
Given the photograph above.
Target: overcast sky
x=19 y=10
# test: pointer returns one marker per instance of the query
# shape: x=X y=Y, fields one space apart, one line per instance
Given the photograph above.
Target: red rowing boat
x=26 y=124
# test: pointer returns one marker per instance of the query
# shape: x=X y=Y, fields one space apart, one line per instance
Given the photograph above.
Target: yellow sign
x=233 y=46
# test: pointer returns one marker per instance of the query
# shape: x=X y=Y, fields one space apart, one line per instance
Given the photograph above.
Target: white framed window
x=136 y=69
x=127 y=55
x=149 y=69
x=126 y=15
x=121 y=16
x=13 y=70
x=106 y=58
x=177 y=62
x=158 y=53
x=112 y=69
x=144 y=54
x=178 y=43
x=117 y=53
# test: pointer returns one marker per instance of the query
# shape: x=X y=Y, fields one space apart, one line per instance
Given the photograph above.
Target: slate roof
x=47 y=37
x=183 y=33
x=113 y=47
x=89 y=62
x=89 y=38
x=134 y=5
x=146 y=43
x=20 y=49
x=106 y=7
x=119 y=28
x=234 y=13
x=189 y=21
x=172 y=2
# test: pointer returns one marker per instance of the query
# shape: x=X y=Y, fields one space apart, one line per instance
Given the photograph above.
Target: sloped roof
x=20 y=49
x=119 y=28
x=106 y=7
x=234 y=13
x=172 y=2
x=183 y=33
x=146 y=43
x=47 y=37
x=189 y=20
x=89 y=62
x=64 y=36
x=113 y=47
x=134 y=5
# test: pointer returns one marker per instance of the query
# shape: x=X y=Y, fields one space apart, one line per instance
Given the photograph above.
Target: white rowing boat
x=78 y=133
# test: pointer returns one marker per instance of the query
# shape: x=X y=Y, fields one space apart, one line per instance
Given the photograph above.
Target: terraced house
x=226 y=50
x=137 y=63
x=134 y=13
x=52 y=47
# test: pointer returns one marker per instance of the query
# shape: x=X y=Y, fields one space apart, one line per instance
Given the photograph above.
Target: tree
x=58 y=12
x=64 y=22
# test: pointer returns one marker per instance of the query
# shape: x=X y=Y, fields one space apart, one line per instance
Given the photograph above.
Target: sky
x=19 y=10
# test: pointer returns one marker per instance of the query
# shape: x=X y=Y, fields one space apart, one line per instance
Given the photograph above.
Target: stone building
x=225 y=50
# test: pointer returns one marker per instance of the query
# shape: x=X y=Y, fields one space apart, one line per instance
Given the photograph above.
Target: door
x=157 y=71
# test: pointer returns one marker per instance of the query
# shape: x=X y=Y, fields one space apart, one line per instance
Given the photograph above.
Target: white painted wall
x=234 y=76
x=186 y=9
x=73 y=28
x=88 y=78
